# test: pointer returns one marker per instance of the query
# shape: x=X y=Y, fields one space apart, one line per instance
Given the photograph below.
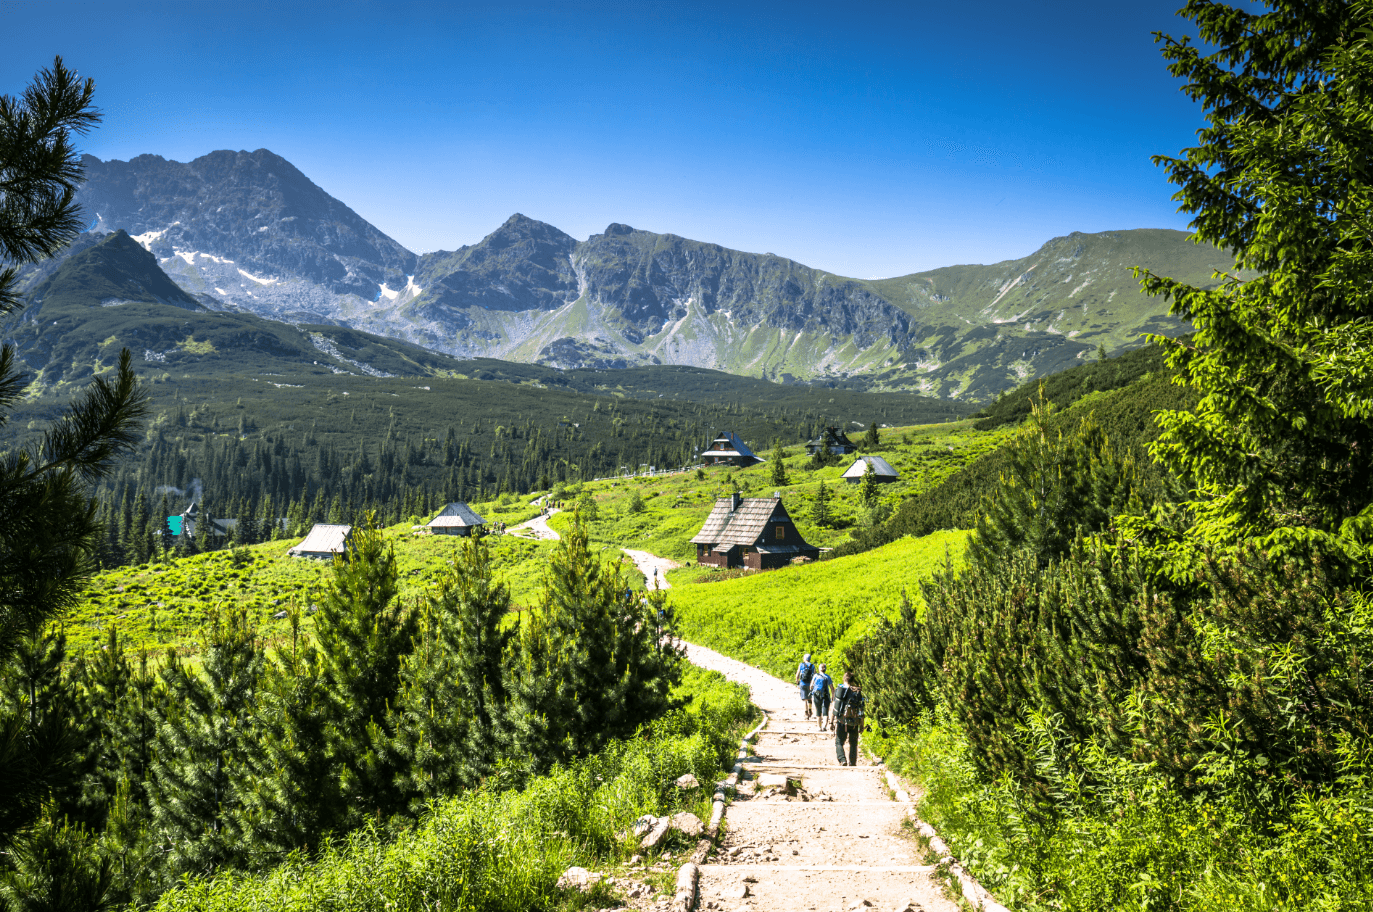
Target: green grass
x=771 y=619
x=159 y=605
x=676 y=506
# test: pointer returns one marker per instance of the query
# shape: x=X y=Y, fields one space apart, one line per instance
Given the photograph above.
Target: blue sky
x=868 y=139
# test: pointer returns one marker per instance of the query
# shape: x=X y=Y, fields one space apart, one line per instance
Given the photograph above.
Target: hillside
x=250 y=230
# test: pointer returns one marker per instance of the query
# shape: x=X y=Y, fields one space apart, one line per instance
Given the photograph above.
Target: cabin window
x=781 y=532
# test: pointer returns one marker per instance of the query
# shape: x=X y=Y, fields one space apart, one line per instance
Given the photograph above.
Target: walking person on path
x=804 y=672
x=821 y=690
x=850 y=718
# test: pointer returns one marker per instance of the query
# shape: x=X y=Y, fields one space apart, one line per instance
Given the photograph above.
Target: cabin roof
x=880 y=467
x=741 y=449
x=456 y=514
x=741 y=525
x=324 y=538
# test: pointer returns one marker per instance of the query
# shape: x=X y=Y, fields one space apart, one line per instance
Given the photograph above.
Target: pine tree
x=46 y=748
x=291 y=799
x=364 y=634
x=455 y=696
x=779 y=466
x=202 y=744
x=591 y=666
x=871 y=440
x=820 y=509
x=867 y=489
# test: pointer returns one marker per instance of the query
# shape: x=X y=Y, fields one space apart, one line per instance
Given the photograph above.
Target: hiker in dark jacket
x=850 y=718
x=804 y=672
x=821 y=691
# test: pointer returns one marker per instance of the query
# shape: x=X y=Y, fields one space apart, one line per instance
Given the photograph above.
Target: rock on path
x=834 y=846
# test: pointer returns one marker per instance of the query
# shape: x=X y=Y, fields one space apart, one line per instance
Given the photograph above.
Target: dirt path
x=537 y=528
x=653 y=567
x=838 y=846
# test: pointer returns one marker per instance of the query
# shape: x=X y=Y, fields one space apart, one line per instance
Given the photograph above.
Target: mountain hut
x=456 y=519
x=833 y=441
x=324 y=542
x=882 y=469
x=728 y=449
x=752 y=532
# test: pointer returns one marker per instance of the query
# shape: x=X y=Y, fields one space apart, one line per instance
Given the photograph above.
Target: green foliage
x=593 y=663
x=820 y=507
x=454 y=700
x=202 y=744
x=504 y=850
x=1067 y=387
x=1054 y=488
x=364 y=635
x=40 y=170
x=778 y=474
x=867 y=488
x=1276 y=444
x=871 y=440
x=771 y=619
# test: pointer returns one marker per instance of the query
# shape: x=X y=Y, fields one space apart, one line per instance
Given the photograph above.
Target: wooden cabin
x=728 y=449
x=832 y=441
x=752 y=532
x=456 y=519
x=325 y=542
x=882 y=471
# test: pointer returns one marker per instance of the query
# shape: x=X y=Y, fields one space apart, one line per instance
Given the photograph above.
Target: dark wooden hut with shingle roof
x=753 y=532
x=831 y=441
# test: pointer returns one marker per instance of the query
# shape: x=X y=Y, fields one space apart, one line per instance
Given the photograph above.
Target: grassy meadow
x=771 y=619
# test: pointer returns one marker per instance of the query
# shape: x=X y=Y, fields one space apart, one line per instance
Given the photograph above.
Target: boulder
x=688 y=824
x=655 y=835
x=687 y=781
x=644 y=825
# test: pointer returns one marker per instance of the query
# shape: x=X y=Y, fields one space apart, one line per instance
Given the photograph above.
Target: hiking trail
x=536 y=527
x=837 y=845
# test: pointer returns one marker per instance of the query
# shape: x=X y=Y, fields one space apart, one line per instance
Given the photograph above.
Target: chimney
x=734 y=501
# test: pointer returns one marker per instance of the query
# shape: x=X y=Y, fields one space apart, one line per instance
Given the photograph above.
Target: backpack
x=854 y=702
x=807 y=671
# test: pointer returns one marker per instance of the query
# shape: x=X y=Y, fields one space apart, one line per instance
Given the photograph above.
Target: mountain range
x=248 y=232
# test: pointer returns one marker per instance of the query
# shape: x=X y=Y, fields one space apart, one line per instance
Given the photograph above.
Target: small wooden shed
x=456 y=519
x=881 y=469
x=753 y=532
x=325 y=542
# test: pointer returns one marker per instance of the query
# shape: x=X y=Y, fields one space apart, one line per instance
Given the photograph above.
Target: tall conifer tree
x=202 y=742
x=364 y=634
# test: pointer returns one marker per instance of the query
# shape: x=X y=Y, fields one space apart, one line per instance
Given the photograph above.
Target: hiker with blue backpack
x=850 y=718
x=804 y=672
x=821 y=690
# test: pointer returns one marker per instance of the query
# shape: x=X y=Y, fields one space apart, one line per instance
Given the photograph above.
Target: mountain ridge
x=253 y=232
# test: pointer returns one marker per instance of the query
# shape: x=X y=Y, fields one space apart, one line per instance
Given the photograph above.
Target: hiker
x=821 y=690
x=804 y=672
x=850 y=718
